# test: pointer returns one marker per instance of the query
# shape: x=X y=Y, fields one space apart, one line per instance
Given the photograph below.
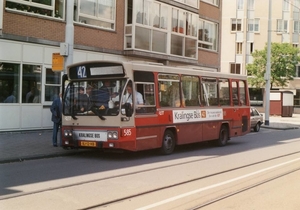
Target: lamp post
x=69 y=36
x=268 y=68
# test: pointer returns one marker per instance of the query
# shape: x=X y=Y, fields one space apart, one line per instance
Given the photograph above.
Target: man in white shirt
x=128 y=96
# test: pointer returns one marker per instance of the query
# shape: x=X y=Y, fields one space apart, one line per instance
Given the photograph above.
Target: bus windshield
x=93 y=97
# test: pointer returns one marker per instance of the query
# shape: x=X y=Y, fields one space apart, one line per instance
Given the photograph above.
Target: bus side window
x=235 y=96
x=224 y=92
x=147 y=90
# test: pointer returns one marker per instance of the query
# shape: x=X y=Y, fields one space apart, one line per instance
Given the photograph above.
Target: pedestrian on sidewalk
x=56 y=110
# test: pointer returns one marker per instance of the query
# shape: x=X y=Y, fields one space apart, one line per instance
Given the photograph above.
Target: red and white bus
x=169 y=106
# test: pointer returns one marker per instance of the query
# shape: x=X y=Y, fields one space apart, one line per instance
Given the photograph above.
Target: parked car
x=256 y=119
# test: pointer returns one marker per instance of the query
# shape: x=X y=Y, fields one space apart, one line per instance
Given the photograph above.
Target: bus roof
x=161 y=68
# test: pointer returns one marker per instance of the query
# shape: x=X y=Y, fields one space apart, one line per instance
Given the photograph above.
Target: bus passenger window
x=210 y=91
x=190 y=86
x=235 y=96
x=224 y=92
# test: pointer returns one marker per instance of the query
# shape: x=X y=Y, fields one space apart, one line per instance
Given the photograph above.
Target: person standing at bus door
x=82 y=100
x=128 y=96
x=56 y=110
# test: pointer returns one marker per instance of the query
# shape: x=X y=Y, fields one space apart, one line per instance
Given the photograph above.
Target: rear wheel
x=223 y=136
x=257 y=127
x=168 y=143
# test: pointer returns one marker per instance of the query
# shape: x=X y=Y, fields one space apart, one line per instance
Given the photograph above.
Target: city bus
x=169 y=106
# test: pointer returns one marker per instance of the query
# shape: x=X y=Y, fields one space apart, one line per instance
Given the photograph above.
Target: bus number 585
x=127 y=132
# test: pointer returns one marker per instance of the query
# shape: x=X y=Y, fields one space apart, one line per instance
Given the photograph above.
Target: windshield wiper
x=96 y=112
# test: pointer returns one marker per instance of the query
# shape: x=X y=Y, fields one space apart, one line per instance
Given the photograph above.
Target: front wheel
x=223 y=136
x=168 y=143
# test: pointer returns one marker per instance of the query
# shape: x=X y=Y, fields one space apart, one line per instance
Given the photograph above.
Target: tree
x=284 y=58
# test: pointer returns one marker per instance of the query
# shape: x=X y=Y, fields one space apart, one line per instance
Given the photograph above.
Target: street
x=255 y=171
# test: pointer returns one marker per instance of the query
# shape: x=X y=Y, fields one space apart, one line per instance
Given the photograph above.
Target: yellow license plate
x=88 y=144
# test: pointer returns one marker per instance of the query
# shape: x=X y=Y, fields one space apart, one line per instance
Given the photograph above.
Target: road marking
x=214 y=186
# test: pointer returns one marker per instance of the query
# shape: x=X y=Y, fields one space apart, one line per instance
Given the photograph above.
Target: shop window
x=52 y=85
x=9 y=82
x=31 y=83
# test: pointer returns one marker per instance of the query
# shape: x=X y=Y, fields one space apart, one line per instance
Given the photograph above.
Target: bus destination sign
x=94 y=70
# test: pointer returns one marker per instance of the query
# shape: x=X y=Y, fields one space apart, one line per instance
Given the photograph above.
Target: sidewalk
x=26 y=145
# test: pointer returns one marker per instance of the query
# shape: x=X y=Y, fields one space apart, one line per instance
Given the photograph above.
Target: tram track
x=231 y=194
x=224 y=196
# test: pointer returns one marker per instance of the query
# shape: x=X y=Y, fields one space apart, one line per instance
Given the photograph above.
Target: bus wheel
x=223 y=136
x=168 y=143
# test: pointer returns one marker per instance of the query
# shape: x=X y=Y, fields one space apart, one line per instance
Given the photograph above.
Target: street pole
x=268 y=70
x=69 y=37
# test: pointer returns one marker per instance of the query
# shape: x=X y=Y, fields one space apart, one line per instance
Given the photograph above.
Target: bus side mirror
x=128 y=109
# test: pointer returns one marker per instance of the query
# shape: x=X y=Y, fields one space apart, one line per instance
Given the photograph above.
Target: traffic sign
x=57 y=62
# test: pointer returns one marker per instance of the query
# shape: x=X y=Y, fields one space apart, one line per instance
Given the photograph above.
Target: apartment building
x=172 y=32
x=245 y=29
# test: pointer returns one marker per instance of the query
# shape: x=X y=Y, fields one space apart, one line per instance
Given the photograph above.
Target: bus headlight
x=112 y=135
x=68 y=133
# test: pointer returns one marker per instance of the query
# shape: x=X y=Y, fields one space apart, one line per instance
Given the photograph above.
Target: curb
x=278 y=128
x=45 y=156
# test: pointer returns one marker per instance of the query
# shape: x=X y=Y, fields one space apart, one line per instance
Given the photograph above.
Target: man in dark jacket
x=56 y=110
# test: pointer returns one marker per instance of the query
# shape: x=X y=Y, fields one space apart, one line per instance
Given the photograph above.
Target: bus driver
x=127 y=98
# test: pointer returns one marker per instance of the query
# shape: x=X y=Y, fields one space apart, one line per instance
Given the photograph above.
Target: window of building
x=235 y=68
x=184 y=33
x=9 y=83
x=49 y=8
x=285 y=5
x=282 y=25
x=250 y=4
x=296 y=26
x=207 y=35
x=192 y=3
x=52 y=84
x=239 y=48
x=236 y=25
x=253 y=25
x=100 y=13
x=214 y=2
x=151 y=24
x=250 y=48
x=190 y=87
x=240 y=4
x=31 y=83
x=297 y=98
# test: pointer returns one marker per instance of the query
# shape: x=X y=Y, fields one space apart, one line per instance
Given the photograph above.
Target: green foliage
x=284 y=58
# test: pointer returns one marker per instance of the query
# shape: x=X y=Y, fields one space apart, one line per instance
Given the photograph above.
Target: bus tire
x=168 y=143
x=223 y=136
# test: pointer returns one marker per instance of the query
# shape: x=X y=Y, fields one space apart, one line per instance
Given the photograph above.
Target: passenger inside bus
x=83 y=100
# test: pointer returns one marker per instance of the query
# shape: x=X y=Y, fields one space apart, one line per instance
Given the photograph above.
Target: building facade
x=245 y=29
x=173 y=32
